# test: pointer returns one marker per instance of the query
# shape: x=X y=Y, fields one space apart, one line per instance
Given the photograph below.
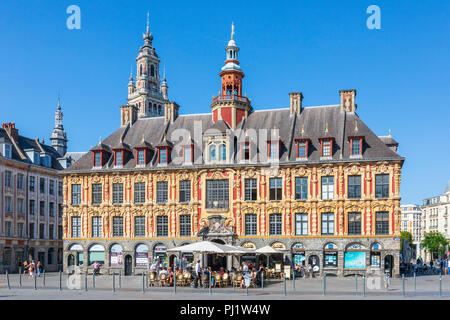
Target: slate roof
x=24 y=143
x=341 y=126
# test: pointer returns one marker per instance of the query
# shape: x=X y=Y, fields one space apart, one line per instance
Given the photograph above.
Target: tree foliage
x=405 y=235
x=435 y=242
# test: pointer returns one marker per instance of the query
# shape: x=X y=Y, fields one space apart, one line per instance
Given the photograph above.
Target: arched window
x=96 y=253
x=140 y=70
x=141 y=255
x=115 y=255
x=152 y=70
x=212 y=152
x=222 y=152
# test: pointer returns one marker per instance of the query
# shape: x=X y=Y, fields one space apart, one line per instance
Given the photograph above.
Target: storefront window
x=79 y=248
x=116 y=255
x=354 y=257
x=141 y=255
x=298 y=254
x=159 y=253
x=330 y=255
x=96 y=253
x=375 y=255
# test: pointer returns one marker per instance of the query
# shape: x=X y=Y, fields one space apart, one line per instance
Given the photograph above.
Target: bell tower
x=230 y=105
x=146 y=93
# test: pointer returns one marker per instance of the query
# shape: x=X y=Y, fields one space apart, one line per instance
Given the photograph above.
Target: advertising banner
x=355 y=259
x=141 y=259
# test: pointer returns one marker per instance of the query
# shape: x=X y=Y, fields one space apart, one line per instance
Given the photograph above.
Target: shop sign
x=298 y=247
x=160 y=248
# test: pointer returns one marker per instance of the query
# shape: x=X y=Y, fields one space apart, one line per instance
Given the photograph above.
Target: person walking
x=38 y=268
x=244 y=268
x=25 y=267
x=197 y=273
x=31 y=268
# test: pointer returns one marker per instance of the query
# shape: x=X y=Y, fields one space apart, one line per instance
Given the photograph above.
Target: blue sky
x=401 y=72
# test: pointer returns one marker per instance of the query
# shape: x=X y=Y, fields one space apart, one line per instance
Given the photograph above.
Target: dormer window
x=118 y=158
x=273 y=148
x=188 y=154
x=217 y=151
x=98 y=159
x=46 y=160
x=302 y=148
x=140 y=159
x=356 y=144
x=245 y=151
x=326 y=147
x=163 y=155
x=7 y=151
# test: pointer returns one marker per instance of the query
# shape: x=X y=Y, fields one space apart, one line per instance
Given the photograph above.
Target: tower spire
x=148 y=21
x=58 y=137
x=232 y=30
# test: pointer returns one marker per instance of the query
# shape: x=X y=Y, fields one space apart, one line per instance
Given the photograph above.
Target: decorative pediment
x=138 y=177
x=353 y=169
x=96 y=179
x=300 y=171
x=117 y=179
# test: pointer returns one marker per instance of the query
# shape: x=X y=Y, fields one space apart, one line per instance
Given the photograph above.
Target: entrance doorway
x=389 y=264
x=214 y=260
x=128 y=265
x=41 y=258
x=70 y=263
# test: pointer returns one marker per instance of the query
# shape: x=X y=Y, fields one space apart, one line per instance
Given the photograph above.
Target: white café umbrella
x=267 y=250
x=207 y=247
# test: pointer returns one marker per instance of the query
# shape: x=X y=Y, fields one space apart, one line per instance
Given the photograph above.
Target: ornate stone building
x=313 y=182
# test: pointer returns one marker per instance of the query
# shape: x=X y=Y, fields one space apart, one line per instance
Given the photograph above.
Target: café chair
x=152 y=278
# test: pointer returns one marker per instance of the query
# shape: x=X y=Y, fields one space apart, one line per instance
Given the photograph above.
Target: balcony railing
x=231 y=97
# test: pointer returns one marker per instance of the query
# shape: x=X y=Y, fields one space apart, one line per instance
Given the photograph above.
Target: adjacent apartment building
x=435 y=216
x=31 y=197
x=313 y=182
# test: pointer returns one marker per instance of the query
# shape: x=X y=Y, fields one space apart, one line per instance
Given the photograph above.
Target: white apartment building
x=435 y=216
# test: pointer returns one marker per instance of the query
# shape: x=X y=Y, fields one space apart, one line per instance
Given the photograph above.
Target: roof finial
x=232 y=30
x=121 y=139
x=326 y=127
x=148 y=21
x=389 y=132
x=356 y=125
x=303 y=128
x=100 y=142
x=164 y=73
x=143 y=138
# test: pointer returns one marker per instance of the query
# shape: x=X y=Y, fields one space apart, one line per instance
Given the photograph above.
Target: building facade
x=435 y=217
x=411 y=221
x=313 y=182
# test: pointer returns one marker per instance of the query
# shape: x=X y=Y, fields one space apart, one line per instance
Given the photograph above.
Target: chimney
x=171 y=111
x=295 y=102
x=128 y=114
x=10 y=127
x=348 y=100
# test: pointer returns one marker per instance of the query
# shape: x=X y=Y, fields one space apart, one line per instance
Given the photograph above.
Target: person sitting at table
x=221 y=271
x=163 y=271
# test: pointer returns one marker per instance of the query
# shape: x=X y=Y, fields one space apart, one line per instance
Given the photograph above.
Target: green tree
x=405 y=235
x=435 y=243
